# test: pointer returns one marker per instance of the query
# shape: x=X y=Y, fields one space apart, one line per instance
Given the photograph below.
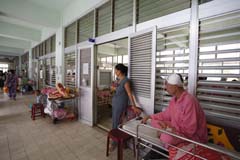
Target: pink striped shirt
x=186 y=116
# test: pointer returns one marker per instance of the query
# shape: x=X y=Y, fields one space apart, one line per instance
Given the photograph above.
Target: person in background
x=183 y=116
x=121 y=97
x=11 y=83
x=1 y=80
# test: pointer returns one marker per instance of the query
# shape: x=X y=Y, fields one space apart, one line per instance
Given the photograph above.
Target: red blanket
x=176 y=154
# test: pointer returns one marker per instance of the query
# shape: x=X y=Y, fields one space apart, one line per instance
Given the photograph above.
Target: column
x=30 y=68
x=60 y=55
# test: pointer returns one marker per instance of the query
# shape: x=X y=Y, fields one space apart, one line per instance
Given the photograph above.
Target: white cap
x=174 y=79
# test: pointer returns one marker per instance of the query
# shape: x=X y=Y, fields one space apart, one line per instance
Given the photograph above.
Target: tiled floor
x=24 y=139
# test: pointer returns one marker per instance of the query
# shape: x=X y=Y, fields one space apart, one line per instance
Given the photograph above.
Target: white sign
x=85 y=68
x=41 y=74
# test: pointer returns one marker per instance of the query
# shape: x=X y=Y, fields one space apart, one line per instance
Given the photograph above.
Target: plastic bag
x=5 y=89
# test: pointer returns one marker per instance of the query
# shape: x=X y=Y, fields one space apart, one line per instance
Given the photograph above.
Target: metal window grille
x=33 y=54
x=70 y=70
x=37 y=52
x=70 y=35
x=48 y=46
x=218 y=85
x=40 y=50
x=204 y=1
x=86 y=24
x=150 y=9
x=123 y=14
x=53 y=71
x=47 y=71
x=172 y=57
x=53 y=43
x=104 y=19
x=43 y=48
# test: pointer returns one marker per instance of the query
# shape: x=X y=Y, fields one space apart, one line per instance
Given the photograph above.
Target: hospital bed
x=147 y=137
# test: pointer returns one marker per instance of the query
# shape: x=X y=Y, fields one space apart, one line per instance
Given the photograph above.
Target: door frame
x=78 y=78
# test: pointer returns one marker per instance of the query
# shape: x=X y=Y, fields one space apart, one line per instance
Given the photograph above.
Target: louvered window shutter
x=218 y=86
x=140 y=64
x=172 y=57
x=70 y=70
x=204 y=1
x=53 y=43
x=48 y=46
x=37 y=51
x=123 y=14
x=40 y=50
x=85 y=30
x=33 y=53
x=104 y=18
x=47 y=71
x=150 y=9
x=53 y=71
x=70 y=35
x=44 y=48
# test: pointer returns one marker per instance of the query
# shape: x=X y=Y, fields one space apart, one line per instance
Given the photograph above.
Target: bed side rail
x=219 y=149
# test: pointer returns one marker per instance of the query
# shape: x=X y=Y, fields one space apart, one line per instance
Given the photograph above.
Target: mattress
x=145 y=133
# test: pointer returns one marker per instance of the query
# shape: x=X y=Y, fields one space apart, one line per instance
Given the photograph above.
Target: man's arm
x=161 y=116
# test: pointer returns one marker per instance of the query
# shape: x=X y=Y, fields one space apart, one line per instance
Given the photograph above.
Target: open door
x=142 y=55
x=41 y=75
x=85 y=83
x=35 y=73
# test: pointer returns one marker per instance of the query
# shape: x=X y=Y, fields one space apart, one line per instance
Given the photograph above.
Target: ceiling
x=57 y=5
x=22 y=23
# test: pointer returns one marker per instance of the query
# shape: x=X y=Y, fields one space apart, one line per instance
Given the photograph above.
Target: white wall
x=47 y=32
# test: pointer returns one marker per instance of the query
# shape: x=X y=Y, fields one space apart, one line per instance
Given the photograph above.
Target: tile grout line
x=9 y=149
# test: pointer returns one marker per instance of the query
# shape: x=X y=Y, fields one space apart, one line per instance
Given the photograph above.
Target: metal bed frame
x=149 y=143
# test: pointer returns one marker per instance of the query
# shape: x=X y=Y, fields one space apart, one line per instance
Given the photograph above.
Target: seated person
x=183 y=116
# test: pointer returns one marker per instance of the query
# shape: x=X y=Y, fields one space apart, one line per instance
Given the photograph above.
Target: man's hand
x=145 y=119
x=162 y=124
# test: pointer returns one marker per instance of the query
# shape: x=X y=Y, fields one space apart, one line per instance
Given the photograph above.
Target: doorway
x=108 y=55
x=85 y=84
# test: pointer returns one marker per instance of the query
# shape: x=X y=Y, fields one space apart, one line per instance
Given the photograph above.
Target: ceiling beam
x=9 y=54
x=15 y=51
x=9 y=42
x=19 y=32
x=30 y=12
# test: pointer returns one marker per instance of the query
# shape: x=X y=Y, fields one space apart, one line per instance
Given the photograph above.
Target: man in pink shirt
x=184 y=115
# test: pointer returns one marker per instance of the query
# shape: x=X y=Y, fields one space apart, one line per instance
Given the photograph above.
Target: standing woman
x=11 y=83
x=1 y=80
x=123 y=94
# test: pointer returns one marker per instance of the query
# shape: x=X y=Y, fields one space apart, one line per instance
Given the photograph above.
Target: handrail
x=232 y=154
